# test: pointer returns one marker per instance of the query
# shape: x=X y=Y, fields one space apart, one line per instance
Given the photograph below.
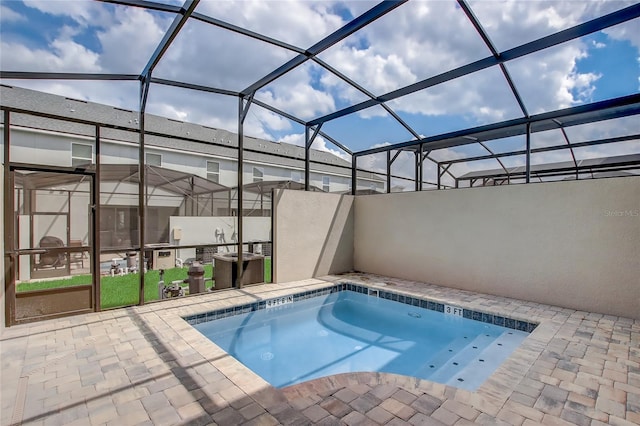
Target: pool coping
x=490 y=396
x=379 y=292
x=593 y=358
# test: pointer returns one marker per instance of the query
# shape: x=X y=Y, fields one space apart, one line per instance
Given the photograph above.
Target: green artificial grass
x=122 y=290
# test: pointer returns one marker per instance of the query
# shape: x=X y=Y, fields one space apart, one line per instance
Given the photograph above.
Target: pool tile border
x=433 y=305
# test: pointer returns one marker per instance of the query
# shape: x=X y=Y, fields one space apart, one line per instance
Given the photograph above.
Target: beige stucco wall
x=571 y=244
x=313 y=234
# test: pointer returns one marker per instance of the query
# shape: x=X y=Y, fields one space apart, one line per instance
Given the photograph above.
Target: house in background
x=191 y=176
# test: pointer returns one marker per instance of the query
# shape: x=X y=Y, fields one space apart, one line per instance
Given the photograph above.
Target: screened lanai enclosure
x=158 y=144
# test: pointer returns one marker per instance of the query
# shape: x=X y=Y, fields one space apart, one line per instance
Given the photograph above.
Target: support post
x=241 y=115
x=95 y=227
x=417 y=170
x=354 y=176
x=144 y=92
x=421 y=161
x=307 y=160
x=10 y=256
x=438 y=170
x=388 y=171
x=527 y=176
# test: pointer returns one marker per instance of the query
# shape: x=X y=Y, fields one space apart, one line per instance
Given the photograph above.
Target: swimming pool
x=343 y=328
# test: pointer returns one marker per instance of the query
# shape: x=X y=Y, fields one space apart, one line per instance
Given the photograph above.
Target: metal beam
x=146 y=5
x=95 y=225
x=367 y=93
x=10 y=257
x=566 y=138
x=352 y=26
x=388 y=172
x=22 y=75
x=245 y=109
x=485 y=37
x=313 y=137
x=546 y=149
x=170 y=35
x=517 y=126
x=619 y=165
x=307 y=158
x=527 y=161
x=302 y=123
x=577 y=31
x=190 y=86
x=247 y=33
x=240 y=192
x=144 y=92
x=354 y=174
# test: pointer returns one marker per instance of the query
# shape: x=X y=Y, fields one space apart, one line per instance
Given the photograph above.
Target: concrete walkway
x=145 y=365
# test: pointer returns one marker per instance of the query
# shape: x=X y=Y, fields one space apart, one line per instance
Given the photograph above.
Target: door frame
x=65 y=295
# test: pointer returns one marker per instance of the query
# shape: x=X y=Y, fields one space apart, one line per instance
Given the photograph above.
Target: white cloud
x=9 y=15
x=319 y=144
x=299 y=23
x=84 y=12
x=128 y=44
x=417 y=40
x=62 y=55
x=301 y=99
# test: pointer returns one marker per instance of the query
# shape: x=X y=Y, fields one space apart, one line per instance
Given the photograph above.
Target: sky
x=415 y=41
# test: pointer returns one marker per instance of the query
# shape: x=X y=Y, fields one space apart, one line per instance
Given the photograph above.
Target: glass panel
x=258 y=174
x=213 y=171
x=81 y=154
x=153 y=159
x=326 y=184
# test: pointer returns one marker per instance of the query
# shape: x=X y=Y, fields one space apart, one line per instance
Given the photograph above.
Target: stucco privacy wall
x=313 y=234
x=572 y=244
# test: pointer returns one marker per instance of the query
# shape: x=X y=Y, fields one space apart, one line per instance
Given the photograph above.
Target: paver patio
x=145 y=365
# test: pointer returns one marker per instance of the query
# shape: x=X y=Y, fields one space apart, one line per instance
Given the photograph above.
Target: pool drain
x=267 y=356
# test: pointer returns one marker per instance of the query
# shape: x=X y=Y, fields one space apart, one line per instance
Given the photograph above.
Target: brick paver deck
x=145 y=365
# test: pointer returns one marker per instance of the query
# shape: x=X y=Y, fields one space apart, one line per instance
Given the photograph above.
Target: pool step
x=481 y=366
x=445 y=358
x=449 y=364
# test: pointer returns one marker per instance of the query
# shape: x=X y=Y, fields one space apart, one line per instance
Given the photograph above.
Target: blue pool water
x=350 y=332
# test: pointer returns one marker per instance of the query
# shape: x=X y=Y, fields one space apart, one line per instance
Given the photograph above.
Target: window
x=153 y=159
x=296 y=176
x=326 y=183
x=81 y=154
x=213 y=171
x=258 y=174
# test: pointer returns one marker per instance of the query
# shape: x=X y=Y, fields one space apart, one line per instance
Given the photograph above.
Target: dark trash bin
x=225 y=267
